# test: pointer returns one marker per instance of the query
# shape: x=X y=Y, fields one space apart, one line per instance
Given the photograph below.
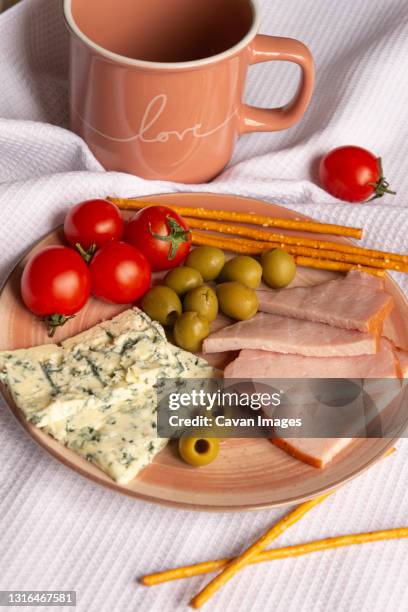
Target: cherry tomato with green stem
x=161 y=234
x=91 y=224
x=353 y=174
x=55 y=285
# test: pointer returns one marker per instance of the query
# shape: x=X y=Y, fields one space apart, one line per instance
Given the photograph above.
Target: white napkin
x=61 y=532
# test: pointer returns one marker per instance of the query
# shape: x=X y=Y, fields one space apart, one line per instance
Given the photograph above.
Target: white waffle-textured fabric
x=58 y=531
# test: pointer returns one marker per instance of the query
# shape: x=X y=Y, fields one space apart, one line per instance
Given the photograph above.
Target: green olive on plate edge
x=209 y=261
x=278 y=268
x=189 y=331
x=244 y=269
x=196 y=450
x=183 y=279
x=162 y=304
x=202 y=300
x=237 y=301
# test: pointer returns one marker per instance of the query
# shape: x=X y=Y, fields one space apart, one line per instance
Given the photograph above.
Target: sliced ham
x=395 y=329
x=357 y=301
x=358 y=418
x=221 y=359
x=315 y=451
x=264 y=364
x=270 y=332
x=256 y=364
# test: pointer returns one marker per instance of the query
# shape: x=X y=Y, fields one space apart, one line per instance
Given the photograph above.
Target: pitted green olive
x=183 y=279
x=207 y=260
x=190 y=330
x=243 y=269
x=162 y=304
x=202 y=300
x=237 y=301
x=278 y=268
x=198 y=450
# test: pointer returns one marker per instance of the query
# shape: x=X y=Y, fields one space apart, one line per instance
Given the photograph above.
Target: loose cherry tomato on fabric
x=353 y=174
x=55 y=285
x=161 y=234
x=90 y=224
x=120 y=273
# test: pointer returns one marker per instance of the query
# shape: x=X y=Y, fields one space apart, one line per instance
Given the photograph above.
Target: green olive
x=278 y=268
x=202 y=300
x=196 y=450
x=244 y=269
x=190 y=330
x=162 y=304
x=237 y=301
x=183 y=279
x=207 y=260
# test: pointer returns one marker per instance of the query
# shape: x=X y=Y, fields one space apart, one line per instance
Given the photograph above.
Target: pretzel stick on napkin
x=252 y=552
x=297 y=550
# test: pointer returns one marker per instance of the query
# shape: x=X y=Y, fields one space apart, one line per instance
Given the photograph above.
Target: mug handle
x=272 y=48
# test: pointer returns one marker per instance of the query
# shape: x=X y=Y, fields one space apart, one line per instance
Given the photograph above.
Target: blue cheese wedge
x=122 y=443
x=124 y=440
x=90 y=370
x=97 y=392
x=26 y=373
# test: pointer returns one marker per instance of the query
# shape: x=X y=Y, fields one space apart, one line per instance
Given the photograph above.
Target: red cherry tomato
x=161 y=234
x=55 y=285
x=353 y=174
x=93 y=223
x=120 y=273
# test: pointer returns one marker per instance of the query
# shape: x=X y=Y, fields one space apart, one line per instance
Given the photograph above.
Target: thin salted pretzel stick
x=252 y=552
x=336 y=266
x=259 y=247
x=300 y=241
x=206 y=567
x=265 y=221
x=311 y=259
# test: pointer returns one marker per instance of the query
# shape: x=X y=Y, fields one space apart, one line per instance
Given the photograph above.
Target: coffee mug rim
x=135 y=63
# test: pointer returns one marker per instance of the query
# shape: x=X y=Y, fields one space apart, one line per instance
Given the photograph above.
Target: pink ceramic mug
x=156 y=85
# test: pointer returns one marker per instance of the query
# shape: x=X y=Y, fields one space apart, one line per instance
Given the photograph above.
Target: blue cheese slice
x=124 y=440
x=26 y=373
x=122 y=443
x=90 y=370
x=97 y=392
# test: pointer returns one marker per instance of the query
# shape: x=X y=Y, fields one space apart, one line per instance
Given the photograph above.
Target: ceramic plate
x=249 y=473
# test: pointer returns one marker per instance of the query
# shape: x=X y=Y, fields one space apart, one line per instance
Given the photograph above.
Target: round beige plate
x=248 y=474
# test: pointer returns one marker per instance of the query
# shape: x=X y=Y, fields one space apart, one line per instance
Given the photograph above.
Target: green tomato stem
x=177 y=236
x=55 y=320
x=86 y=255
x=381 y=187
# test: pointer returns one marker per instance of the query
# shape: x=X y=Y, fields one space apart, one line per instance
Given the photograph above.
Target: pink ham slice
x=356 y=301
x=317 y=452
x=265 y=364
x=270 y=332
